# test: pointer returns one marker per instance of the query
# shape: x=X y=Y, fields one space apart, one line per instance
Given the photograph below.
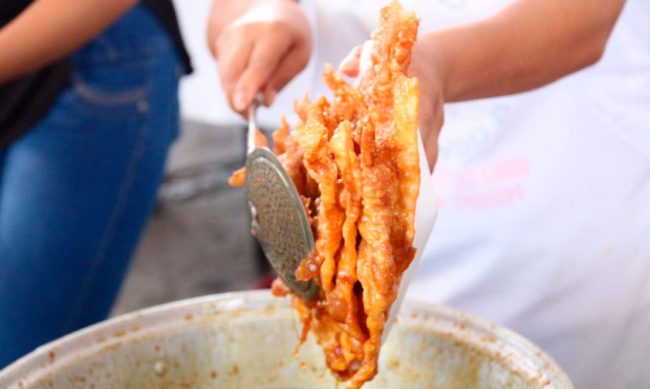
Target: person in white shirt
x=542 y=166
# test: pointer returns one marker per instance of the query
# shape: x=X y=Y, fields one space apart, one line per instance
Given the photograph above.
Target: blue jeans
x=77 y=190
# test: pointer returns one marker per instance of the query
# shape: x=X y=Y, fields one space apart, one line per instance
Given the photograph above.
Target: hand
x=261 y=50
x=431 y=116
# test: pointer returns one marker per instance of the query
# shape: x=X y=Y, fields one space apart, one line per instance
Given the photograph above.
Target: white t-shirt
x=544 y=197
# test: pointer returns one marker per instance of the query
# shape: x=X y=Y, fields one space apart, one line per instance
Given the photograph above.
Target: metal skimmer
x=280 y=221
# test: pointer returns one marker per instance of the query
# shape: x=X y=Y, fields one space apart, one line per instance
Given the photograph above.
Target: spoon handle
x=252 y=124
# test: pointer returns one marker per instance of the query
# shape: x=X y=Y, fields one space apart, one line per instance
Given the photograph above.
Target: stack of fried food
x=355 y=163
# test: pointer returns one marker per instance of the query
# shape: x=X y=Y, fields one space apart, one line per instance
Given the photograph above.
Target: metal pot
x=249 y=340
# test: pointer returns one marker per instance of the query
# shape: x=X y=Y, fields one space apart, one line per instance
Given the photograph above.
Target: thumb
x=263 y=61
x=350 y=64
x=365 y=58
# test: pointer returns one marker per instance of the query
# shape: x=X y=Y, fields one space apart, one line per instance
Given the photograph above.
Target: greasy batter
x=354 y=161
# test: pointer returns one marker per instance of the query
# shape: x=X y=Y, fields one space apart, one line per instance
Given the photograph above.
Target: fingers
x=261 y=49
x=234 y=53
x=430 y=131
x=264 y=60
x=290 y=65
x=431 y=119
x=350 y=64
x=365 y=59
x=259 y=57
x=358 y=61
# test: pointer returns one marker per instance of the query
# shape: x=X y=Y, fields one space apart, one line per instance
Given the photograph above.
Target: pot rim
x=487 y=337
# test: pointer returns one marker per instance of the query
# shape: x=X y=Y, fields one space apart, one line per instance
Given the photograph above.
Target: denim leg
x=75 y=195
x=2 y=163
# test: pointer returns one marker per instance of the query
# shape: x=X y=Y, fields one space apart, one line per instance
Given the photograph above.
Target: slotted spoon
x=279 y=219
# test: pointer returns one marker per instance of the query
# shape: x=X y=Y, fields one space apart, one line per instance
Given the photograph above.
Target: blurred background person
x=542 y=175
x=88 y=111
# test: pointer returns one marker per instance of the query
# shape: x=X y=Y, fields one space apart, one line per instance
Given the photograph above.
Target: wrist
x=432 y=67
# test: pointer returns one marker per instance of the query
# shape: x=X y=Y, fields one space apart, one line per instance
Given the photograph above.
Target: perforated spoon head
x=280 y=222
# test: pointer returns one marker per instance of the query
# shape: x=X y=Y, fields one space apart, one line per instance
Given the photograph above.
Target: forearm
x=50 y=30
x=527 y=45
